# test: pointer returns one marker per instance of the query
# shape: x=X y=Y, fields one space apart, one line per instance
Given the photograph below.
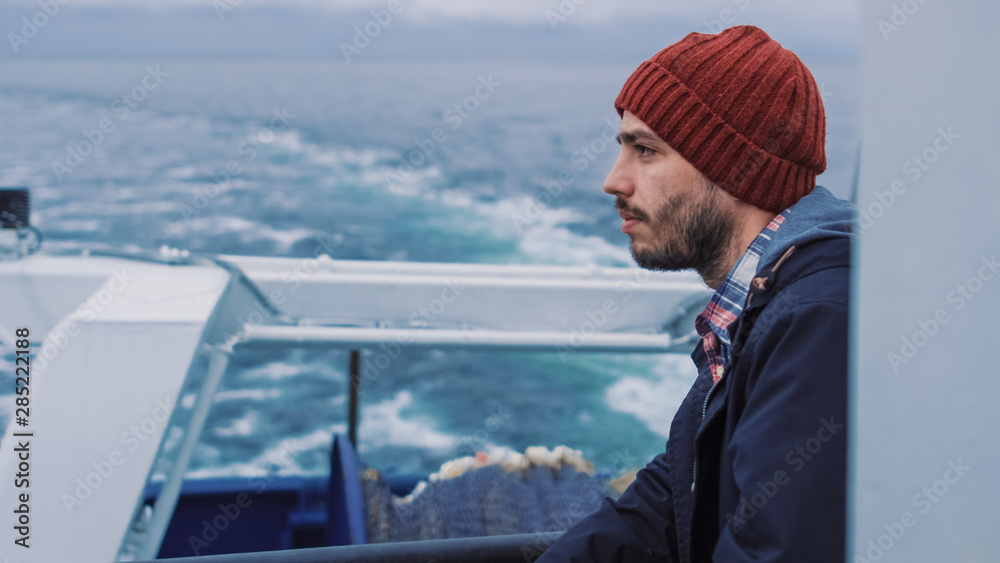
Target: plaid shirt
x=727 y=303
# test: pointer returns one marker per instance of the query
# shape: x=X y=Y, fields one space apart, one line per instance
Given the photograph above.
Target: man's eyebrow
x=634 y=136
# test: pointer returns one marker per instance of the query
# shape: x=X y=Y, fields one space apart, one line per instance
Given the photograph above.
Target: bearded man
x=722 y=137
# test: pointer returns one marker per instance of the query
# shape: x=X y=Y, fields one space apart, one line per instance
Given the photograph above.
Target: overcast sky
x=520 y=11
x=421 y=28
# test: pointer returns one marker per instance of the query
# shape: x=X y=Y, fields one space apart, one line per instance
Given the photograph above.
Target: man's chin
x=657 y=259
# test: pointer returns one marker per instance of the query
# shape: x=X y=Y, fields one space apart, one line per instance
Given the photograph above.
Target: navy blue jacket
x=754 y=470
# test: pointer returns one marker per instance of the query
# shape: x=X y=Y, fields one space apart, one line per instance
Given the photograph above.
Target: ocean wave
x=385 y=424
x=654 y=399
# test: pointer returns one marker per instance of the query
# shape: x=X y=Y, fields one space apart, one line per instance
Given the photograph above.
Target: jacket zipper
x=704 y=411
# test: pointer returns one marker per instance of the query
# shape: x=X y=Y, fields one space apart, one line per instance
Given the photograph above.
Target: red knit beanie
x=738 y=106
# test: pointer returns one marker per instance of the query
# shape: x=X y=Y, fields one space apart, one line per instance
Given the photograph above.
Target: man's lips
x=627 y=216
x=629 y=220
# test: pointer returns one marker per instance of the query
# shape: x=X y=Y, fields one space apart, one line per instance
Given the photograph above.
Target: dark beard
x=700 y=238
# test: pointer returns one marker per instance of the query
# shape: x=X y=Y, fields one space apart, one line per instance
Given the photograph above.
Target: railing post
x=352 y=405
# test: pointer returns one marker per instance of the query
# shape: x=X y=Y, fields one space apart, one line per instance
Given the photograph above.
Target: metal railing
x=519 y=548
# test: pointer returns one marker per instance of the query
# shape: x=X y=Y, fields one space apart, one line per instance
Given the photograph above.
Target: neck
x=748 y=222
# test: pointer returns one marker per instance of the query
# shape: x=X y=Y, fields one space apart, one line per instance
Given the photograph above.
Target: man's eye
x=643 y=150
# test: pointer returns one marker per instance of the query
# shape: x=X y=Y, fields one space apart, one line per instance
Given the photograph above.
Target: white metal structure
x=927 y=292
x=119 y=339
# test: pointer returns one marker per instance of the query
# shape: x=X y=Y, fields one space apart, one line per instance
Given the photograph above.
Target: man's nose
x=619 y=183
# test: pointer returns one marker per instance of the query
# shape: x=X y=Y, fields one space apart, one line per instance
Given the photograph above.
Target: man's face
x=674 y=216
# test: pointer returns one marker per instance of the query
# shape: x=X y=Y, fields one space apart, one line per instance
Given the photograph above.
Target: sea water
x=434 y=161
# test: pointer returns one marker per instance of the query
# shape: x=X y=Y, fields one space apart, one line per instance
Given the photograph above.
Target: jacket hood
x=817 y=216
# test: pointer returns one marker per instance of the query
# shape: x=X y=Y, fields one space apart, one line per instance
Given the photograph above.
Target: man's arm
x=638 y=527
x=790 y=444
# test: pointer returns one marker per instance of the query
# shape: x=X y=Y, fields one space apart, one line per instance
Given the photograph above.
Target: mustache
x=637 y=213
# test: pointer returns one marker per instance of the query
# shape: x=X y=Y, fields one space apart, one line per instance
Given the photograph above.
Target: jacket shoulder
x=819 y=272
